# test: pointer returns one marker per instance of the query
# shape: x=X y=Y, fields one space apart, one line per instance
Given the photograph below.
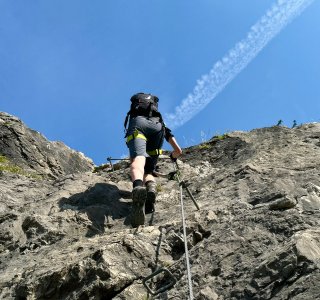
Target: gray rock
x=31 y=153
x=256 y=235
x=310 y=202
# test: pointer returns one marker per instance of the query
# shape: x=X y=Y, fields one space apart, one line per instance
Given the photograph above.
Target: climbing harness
x=155 y=152
x=152 y=152
x=137 y=135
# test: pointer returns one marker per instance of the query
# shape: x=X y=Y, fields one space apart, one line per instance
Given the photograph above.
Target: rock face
x=256 y=235
x=32 y=152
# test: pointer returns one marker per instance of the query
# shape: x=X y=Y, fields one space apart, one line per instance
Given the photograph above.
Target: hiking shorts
x=146 y=137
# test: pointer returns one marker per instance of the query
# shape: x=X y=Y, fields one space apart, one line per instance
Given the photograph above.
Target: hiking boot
x=151 y=197
x=139 y=195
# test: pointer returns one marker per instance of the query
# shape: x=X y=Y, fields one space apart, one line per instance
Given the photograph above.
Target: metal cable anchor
x=162 y=289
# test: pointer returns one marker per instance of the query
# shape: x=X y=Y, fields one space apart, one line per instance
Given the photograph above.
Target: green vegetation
x=3 y=159
x=205 y=146
x=167 y=264
x=209 y=145
x=6 y=123
x=7 y=166
x=159 y=188
x=101 y=167
x=221 y=136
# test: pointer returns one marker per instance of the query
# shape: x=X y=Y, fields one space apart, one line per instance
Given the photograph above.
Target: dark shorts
x=149 y=138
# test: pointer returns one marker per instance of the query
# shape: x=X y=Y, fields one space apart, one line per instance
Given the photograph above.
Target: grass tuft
x=7 y=166
x=205 y=146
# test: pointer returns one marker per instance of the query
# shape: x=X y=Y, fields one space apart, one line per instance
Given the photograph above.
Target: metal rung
x=162 y=289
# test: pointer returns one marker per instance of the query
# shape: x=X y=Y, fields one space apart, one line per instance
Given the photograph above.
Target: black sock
x=137 y=182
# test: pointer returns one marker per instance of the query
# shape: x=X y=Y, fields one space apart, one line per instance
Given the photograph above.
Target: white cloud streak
x=225 y=70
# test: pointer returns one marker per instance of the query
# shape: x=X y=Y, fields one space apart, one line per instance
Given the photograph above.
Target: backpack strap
x=126 y=122
x=150 y=109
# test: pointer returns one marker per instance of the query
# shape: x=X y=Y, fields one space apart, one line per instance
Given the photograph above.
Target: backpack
x=143 y=105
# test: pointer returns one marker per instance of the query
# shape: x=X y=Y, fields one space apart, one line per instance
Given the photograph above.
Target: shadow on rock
x=103 y=203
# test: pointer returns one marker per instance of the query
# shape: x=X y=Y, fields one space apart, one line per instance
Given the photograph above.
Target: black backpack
x=143 y=105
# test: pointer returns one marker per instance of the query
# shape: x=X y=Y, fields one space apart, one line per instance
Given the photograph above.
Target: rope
x=185 y=236
x=182 y=185
x=186 y=246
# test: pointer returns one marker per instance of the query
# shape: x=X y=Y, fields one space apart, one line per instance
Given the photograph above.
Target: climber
x=294 y=125
x=144 y=138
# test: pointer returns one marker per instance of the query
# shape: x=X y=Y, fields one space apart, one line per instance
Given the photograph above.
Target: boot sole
x=138 y=202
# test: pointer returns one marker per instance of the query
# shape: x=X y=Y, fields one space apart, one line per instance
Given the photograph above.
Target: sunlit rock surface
x=67 y=235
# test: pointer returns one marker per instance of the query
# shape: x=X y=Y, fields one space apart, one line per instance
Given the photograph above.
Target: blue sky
x=68 y=68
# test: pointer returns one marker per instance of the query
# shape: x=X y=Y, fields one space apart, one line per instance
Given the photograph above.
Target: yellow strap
x=155 y=152
x=136 y=135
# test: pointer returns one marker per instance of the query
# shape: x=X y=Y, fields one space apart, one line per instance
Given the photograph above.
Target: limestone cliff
x=256 y=235
x=31 y=151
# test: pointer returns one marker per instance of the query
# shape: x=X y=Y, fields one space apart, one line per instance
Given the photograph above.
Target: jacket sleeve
x=167 y=133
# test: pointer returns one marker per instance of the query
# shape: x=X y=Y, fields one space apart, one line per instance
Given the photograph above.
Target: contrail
x=260 y=34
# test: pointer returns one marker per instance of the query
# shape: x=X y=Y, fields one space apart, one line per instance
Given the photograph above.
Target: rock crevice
x=65 y=234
